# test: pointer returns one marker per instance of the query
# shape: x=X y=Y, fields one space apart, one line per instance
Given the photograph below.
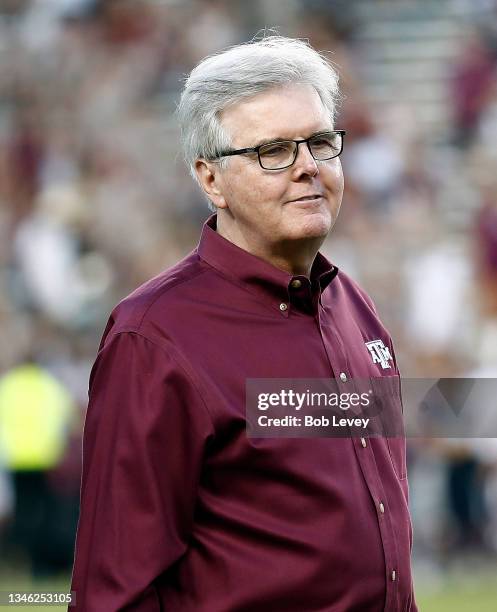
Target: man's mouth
x=307 y=198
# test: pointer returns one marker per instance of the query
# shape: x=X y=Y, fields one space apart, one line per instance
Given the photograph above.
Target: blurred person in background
x=37 y=415
x=180 y=509
x=472 y=82
x=6 y=508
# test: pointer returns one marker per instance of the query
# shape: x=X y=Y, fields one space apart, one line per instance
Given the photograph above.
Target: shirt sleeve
x=145 y=434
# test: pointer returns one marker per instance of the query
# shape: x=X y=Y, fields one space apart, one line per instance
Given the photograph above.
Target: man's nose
x=305 y=162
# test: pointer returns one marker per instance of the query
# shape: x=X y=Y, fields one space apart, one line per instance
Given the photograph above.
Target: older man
x=181 y=509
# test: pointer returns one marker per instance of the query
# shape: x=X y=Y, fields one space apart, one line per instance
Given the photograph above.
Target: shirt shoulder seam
x=188 y=374
x=180 y=281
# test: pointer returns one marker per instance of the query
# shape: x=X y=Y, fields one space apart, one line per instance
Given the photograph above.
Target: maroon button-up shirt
x=180 y=510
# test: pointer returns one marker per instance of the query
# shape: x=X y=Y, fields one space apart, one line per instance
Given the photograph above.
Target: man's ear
x=210 y=179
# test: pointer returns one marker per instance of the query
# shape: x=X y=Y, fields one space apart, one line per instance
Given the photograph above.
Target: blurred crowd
x=95 y=199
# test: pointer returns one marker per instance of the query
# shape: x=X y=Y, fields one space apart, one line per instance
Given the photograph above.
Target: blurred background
x=95 y=199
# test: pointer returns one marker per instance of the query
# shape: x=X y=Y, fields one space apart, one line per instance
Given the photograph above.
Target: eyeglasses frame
x=297 y=142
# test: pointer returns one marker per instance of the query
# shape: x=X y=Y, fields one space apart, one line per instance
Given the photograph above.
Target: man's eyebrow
x=279 y=139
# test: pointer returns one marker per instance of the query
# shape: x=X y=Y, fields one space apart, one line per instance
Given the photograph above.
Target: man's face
x=262 y=203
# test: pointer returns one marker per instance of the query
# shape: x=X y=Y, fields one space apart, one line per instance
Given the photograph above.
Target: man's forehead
x=285 y=112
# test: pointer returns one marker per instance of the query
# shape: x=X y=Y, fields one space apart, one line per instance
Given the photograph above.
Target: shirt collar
x=260 y=277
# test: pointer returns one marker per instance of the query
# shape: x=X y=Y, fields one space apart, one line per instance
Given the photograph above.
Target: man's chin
x=312 y=226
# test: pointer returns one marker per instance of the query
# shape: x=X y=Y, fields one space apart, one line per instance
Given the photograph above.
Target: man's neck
x=293 y=256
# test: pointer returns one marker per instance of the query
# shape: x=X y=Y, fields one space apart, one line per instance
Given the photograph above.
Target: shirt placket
x=341 y=370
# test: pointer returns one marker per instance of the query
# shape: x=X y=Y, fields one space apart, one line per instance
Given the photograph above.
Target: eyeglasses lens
x=278 y=155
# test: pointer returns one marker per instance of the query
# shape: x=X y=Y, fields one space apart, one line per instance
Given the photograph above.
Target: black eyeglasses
x=281 y=154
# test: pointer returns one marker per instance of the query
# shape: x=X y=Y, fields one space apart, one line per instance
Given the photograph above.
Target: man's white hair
x=240 y=72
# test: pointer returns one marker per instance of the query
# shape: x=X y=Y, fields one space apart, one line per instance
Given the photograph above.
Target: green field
x=466 y=585
x=479 y=597
x=17 y=581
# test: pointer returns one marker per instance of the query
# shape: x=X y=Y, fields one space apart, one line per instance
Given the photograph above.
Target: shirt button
x=393 y=575
x=296 y=284
x=363 y=442
x=283 y=307
x=343 y=377
x=382 y=508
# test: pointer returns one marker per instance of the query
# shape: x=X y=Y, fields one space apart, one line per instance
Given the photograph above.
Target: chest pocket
x=387 y=393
